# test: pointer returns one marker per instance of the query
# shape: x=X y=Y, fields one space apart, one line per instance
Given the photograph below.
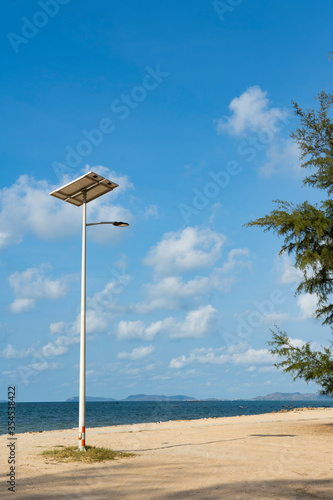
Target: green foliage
x=308 y=234
x=304 y=363
x=92 y=454
x=315 y=140
x=307 y=231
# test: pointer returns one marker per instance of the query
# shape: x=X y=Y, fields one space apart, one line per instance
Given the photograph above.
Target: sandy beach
x=272 y=456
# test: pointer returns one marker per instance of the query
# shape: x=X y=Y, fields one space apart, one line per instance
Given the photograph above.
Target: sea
x=37 y=417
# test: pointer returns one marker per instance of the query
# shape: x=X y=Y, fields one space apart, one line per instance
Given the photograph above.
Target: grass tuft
x=92 y=454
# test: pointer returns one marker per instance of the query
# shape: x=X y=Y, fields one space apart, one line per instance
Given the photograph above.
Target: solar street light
x=79 y=192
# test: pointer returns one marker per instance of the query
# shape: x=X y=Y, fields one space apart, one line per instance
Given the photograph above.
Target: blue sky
x=187 y=106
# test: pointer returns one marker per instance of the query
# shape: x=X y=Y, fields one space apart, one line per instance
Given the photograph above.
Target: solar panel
x=93 y=184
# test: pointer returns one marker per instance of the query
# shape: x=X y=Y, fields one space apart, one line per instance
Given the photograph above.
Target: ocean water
x=51 y=416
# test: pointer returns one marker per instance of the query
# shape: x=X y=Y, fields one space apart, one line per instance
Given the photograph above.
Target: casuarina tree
x=307 y=232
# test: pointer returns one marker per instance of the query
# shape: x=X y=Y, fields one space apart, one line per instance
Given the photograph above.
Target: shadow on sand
x=132 y=480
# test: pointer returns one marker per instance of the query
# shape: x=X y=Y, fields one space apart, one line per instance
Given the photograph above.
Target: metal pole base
x=82 y=439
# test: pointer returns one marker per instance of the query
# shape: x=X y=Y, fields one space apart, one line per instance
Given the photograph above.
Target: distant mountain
x=292 y=396
x=137 y=397
x=275 y=396
x=154 y=397
x=89 y=398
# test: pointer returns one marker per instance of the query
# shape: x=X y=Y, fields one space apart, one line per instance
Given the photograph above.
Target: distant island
x=275 y=396
x=154 y=397
x=75 y=399
x=292 y=396
x=137 y=397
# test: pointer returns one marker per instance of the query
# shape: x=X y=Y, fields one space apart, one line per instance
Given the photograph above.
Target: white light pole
x=79 y=192
x=82 y=388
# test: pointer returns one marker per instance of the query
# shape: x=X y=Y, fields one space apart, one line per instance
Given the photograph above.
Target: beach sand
x=272 y=456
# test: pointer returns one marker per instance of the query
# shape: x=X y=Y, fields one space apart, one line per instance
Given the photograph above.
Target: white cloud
x=137 y=353
x=65 y=334
x=184 y=250
x=27 y=208
x=251 y=111
x=300 y=343
x=124 y=184
x=90 y=373
x=121 y=263
x=171 y=292
x=153 y=329
x=214 y=209
x=51 y=349
x=267 y=369
x=133 y=330
x=238 y=354
x=96 y=321
x=152 y=366
x=10 y=352
x=103 y=211
x=42 y=366
x=151 y=211
x=287 y=272
x=308 y=303
x=130 y=371
x=161 y=377
x=33 y=284
x=58 y=328
x=197 y=323
x=274 y=317
x=235 y=259
x=202 y=356
x=105 y=300
x=56 y=348
x=102 y=305
x=282 y=156
x=252 y=357
x=297 y=342
x=22 y=305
